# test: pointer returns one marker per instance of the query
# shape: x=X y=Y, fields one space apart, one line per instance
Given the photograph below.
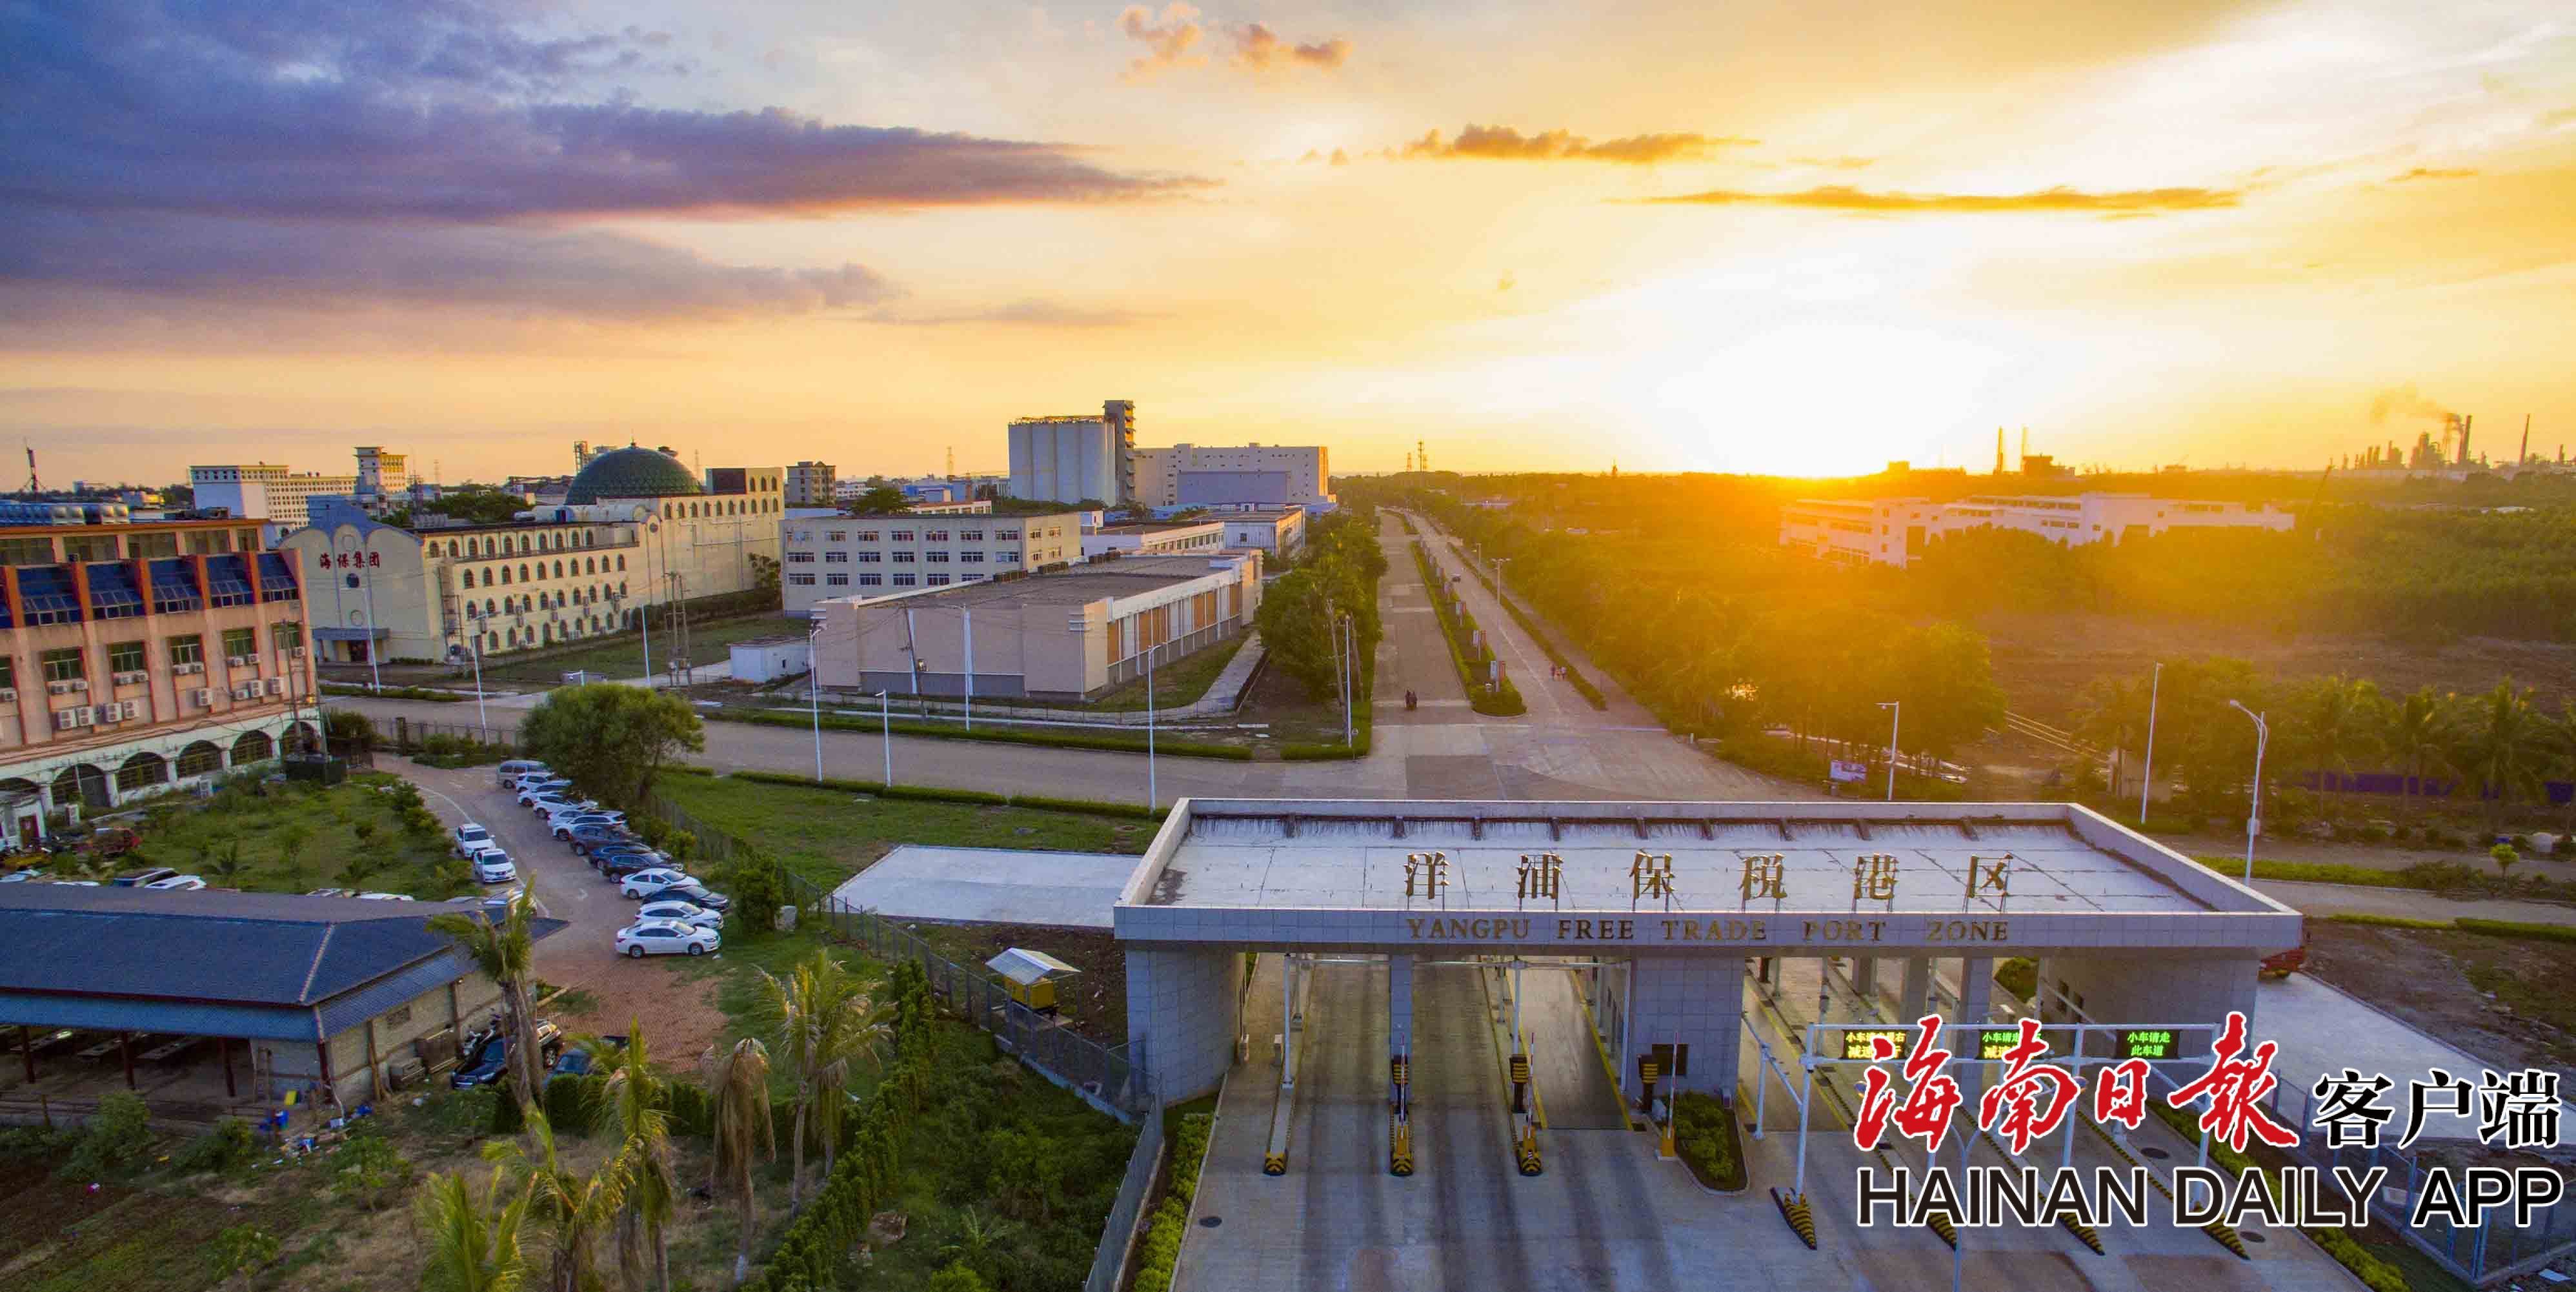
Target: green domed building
x=631 y=472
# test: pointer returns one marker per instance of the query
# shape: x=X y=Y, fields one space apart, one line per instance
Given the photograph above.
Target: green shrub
x=228 y=1146
x=2516 y=929
x=35 y=1143
x=1162 y=1247
x=1704 y=1133
x=116 y=1143
x=571 y=1104
x=1165 y=746
x=507 y=1117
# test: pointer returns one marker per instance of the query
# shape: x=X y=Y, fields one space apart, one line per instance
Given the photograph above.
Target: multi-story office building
x=264 y=490
x=1263 y=475
x=382 y=475
x=142 y=655
x=1071 y=459
x=635 y=530
x=1154 y=538
x=1065 y=635
x=810 y=484
x=888 y=553
x=1895 y=531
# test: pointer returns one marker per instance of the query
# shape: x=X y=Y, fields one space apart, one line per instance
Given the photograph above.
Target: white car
x=383 y=897
x=558 y=813
x=22 y=876
x=555 y=806
x=554 y=788
x=677 y=912
x=177 y=884
x=471 y=839
x=565 y=824
x=646 y=883
x=493 y=866
x=664 y=938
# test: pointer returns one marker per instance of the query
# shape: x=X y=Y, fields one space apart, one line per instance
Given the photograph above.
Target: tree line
x=2494 y=749
x=1337 y=574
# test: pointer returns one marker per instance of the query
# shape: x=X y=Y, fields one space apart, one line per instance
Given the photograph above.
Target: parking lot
x=676 y=1009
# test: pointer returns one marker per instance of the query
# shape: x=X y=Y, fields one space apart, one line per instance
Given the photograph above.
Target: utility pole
x=2155 y=687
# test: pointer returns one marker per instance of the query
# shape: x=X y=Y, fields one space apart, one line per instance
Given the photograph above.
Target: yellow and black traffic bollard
x=1529 y=1150
x=1399 y=1132
x=1274 y=1164
x=1801 y=1218
x=1520 y=1084
x=1399 y=1155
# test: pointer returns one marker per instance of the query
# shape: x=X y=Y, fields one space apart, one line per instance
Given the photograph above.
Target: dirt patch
x=1093 y=1006
x=678 y=1012
x=2501 y=999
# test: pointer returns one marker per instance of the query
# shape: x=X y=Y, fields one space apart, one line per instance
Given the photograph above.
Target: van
x=507 y=774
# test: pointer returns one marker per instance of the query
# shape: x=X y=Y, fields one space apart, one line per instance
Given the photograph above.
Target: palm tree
x=506 y=953
x=738 y=1087
x=2504 y=742
x=636 y=1096
x=975 y=1237
x=470 y=1250
x=575 y=1207
x=2414 y=737
x=290 y=841
x=2340 y=719
x=822 y=1020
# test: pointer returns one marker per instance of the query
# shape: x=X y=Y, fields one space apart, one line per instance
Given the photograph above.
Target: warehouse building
x=1154 y=538
x=1068 y=635
x=324 y=996
x=1895 y=531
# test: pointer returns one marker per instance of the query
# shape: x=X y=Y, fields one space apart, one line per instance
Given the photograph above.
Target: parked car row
x=677 y=915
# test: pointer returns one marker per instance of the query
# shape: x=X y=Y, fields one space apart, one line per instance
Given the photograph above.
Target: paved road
x=2355 y=899
x=1440 y=751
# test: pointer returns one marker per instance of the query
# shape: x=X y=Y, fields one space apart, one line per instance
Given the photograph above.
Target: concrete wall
x=2165 y=990
x=398 y=1029
x=1696 y=1001
x=1183 y=1013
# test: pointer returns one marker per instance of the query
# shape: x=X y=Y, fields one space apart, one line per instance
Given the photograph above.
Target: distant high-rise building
x=382 y=474
x=1069 y=459
x=809 y=484
x=1258 y=475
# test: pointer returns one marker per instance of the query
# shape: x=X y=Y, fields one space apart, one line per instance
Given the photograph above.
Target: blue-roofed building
x=312 y=994
x=138 y=656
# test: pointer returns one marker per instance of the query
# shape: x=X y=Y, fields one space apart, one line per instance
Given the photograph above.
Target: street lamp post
x=1895 y=716
x=814 y=684
x=2155 y=686
x=480 y=719
x=1151 y=796
x=2254 y=813
x=885 y=725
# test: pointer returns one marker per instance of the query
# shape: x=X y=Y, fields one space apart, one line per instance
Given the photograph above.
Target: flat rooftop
x=2069 y=876
x=1080 y=585
x=1154 y=526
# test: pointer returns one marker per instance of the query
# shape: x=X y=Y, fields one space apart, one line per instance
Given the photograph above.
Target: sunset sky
x=1799 y=238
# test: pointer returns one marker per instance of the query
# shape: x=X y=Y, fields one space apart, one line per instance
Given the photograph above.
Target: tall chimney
x=2525 y=454
x=2464 y=438
x=1999 y=450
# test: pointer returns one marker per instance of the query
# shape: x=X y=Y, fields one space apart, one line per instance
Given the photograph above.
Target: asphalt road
x=1442 y=750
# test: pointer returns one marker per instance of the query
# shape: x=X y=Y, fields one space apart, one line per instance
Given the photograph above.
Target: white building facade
x=1177 y=539
x=891 y=553
x=1278 y=531
x=264 y=490
x=1897 y=531
x=1202 y=475
x=810 y=484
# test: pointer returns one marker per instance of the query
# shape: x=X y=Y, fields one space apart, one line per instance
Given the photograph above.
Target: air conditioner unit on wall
x=191 y=666
x=107 y=713
x=57 y=688
x=131 y=678
x=240 y=661
x=201 y=697
x=245 y=692
x=277 y=686
x=133 y=710
x=8 y=695
x=78 y=684
x=66 y=719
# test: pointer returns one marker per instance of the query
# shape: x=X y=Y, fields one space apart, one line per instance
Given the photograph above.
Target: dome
x=630 y=472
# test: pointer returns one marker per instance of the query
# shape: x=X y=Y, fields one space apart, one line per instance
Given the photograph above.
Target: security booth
x=1030 y=977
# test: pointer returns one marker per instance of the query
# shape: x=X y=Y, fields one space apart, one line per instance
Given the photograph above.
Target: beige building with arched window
x=555 y=575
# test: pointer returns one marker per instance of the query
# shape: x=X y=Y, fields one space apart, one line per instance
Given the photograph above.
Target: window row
x=186 y=651
x=562 y=570
x=545 y=601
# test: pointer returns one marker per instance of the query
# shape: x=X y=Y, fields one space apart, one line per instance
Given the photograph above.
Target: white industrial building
x=1071 y=459
x=264 y=490
x=1154 y=538
x=1896 y=531
x=1267 y=475
x=1279 y=531
x=889 y=553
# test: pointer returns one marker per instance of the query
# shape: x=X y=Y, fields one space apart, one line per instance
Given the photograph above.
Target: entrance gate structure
x=1669 y=901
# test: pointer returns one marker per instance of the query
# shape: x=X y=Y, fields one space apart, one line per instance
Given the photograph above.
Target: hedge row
x=1582 y=685
x=2464 y=924
x=865 y=1174
x=935 y=794
x=1171 y=1222
x=1493 y=701
x=1164 y=746
x=395 y=693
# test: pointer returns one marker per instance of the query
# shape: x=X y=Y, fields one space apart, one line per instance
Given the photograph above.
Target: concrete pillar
x=1976 y=1001
x=1918 y=989
x=1865 y=978
x=1693 y=1001
x=1399 y=1005
x=1183 y=1015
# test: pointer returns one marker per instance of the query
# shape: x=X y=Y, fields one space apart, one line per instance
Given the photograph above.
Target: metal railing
x=1126 y=1216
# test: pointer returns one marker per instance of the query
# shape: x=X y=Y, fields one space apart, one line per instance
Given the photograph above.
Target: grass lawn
x=622 y=657
x=829 y=835
x=195 y=835
x=1176 y=683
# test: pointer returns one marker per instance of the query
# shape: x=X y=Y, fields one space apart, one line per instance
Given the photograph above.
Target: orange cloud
x=1503 y=143
x=1853 y=201
x=1168 y=40
x=1260 y=49
x=2429 y=172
